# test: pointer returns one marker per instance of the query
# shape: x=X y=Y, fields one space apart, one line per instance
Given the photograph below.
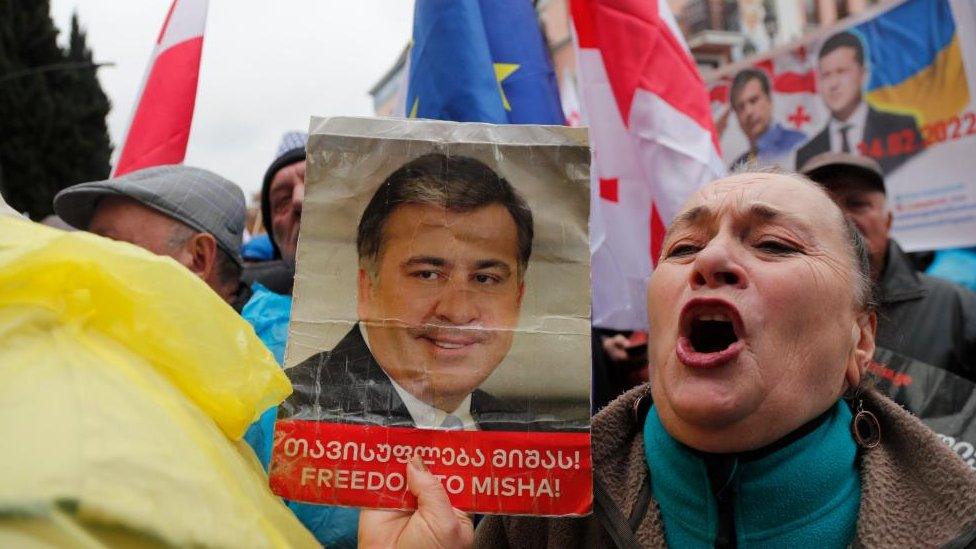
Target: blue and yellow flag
x=927 y=63
x=481 y=61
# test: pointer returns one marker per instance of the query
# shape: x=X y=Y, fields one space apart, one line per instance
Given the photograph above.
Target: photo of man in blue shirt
x=770 y=143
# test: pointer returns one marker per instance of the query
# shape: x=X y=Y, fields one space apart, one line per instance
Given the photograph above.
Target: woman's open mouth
x=710 y=333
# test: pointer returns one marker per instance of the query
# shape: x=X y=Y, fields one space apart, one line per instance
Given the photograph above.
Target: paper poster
x=441 y=308
x=896 y=85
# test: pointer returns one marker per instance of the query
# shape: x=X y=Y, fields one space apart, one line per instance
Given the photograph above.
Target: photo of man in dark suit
x=443 y=246
x=855 y=126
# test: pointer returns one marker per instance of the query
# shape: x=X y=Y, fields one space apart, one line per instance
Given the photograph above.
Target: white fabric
x=570 y=100
x=426 y=416
x=855 y=131
x=662 y=157
x=5 y=209
x=188 y=20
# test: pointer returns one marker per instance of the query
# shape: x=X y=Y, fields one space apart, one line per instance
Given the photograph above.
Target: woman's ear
x=863 y=331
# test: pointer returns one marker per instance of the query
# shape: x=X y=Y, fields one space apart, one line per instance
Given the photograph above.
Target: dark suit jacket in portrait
x=890 y=138
x=347 y=385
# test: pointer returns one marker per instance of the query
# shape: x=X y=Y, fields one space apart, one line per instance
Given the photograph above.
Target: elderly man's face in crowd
x=867 y=208
x=286 y=194
x=841 y=80
x=753 y=108
x=439 y=312
x=754 y=326
x=124 y=219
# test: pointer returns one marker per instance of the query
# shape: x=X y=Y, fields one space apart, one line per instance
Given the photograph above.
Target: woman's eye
x=682 y=250
x=776 y=247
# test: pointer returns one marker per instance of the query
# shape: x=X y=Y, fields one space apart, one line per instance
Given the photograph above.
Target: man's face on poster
x=440 y=309
x=841 y=81
x=753 y=108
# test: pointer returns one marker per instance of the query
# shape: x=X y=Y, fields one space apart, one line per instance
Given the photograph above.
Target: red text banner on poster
x=523 y=473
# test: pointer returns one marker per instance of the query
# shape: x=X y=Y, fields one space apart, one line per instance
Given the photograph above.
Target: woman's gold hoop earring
x=865 y=427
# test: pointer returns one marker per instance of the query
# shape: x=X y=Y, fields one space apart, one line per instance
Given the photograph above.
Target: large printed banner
x=896 y=85
x=441 y=310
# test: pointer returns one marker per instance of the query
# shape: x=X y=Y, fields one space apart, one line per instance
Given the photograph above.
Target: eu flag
x=481 y=61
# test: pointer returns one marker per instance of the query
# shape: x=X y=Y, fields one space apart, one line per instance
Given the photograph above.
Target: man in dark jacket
x=922 y=317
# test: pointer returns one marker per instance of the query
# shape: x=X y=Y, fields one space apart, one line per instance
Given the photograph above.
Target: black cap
x=826 y=167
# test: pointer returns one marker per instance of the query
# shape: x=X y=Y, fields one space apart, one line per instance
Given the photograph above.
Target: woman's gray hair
x=865 y=292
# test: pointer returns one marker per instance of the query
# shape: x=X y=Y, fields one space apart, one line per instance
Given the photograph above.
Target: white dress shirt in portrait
x=853 y=126
x=426 y=416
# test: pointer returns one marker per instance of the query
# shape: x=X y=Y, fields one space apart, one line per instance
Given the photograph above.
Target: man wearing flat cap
x=190 y=214
x=920 y=317
x=197 y=218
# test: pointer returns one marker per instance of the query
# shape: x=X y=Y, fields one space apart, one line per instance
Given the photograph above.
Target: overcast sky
x=266 y=67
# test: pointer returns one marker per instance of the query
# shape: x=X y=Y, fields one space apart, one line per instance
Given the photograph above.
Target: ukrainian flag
x=915 y=60
x=481 y=61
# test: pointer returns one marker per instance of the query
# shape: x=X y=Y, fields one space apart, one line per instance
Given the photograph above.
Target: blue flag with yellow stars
x=481 y=61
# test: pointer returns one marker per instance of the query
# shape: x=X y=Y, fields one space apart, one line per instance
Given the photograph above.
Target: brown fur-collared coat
x=915 y=491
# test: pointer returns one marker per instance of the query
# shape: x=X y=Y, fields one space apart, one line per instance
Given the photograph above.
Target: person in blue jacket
x=269 y=313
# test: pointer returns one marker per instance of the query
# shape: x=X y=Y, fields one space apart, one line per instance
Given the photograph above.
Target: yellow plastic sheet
x=125 y=386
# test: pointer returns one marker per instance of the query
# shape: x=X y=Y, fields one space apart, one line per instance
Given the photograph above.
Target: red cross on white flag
x=653 y=141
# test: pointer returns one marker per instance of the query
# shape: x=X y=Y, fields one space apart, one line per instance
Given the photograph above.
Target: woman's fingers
x=381 y=527
x=436 y=523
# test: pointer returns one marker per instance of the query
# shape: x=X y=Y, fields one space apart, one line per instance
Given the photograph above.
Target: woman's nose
x=716 y=266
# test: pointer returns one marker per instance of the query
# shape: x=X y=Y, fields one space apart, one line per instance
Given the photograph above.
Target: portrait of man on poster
x=770 y=142
x=855 y=126
x=443 y=247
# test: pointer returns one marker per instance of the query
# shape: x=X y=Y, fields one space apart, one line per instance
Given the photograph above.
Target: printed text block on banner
x=491 y=472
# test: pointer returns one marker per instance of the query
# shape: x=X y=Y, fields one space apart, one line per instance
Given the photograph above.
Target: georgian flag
x=653 y=139
x=160 y=125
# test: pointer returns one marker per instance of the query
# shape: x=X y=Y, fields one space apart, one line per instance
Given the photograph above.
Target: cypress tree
x=83 y=145
x=52 y=113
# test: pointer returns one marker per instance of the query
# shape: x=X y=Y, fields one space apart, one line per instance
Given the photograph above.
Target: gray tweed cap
x=198 y=198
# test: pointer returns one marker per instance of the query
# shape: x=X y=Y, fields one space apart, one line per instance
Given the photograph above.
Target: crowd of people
x=796 y=277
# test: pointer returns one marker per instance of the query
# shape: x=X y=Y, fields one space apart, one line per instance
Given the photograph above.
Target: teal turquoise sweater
x=804 y=492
